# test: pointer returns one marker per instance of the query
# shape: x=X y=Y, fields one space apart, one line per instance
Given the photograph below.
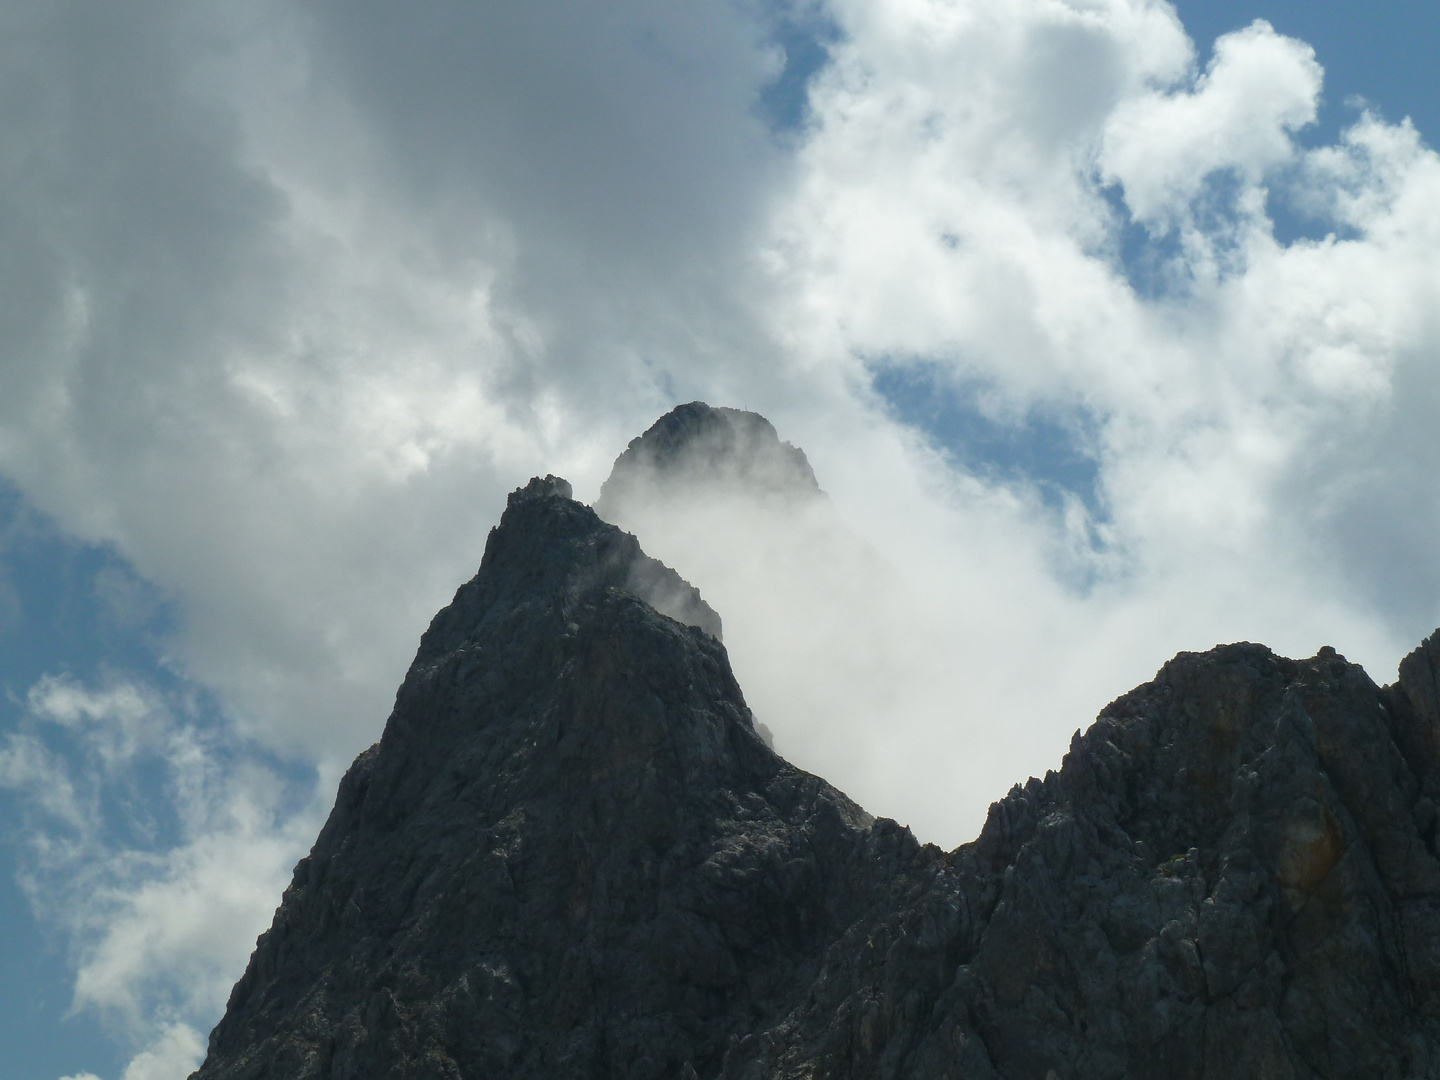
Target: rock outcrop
x=824 y=626
x=570 y=855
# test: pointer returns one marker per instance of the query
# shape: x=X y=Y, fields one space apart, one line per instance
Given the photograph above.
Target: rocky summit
x=700 y=446
x=571 y=856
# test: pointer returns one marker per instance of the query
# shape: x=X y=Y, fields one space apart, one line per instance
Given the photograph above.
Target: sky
x=1111 y=328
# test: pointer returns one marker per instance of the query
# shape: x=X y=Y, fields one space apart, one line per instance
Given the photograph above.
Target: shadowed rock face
x=571 y=856
x=568 y=855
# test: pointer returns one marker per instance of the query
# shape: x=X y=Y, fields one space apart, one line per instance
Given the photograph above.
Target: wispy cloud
x=158 y=849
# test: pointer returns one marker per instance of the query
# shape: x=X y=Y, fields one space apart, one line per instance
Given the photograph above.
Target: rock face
x=570 y=855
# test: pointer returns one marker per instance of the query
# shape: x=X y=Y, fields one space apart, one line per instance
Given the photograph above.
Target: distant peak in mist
x=702 y=445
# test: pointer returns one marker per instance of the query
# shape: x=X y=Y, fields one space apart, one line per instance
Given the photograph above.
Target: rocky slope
x=571 y=856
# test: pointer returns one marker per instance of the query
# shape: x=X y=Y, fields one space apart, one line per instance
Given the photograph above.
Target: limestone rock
x=570 y=855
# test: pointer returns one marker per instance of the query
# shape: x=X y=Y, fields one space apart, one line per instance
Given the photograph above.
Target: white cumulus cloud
x=173 y=1056
x=1241 y=114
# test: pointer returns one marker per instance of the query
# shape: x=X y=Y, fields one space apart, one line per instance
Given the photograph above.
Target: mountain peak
x=570 y=854
x=541 y=487
x=699 y=444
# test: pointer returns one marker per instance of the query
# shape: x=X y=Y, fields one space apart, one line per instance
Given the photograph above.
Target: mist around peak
x=839 y=655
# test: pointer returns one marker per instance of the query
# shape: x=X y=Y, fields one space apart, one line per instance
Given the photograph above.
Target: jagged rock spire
x=570 y=855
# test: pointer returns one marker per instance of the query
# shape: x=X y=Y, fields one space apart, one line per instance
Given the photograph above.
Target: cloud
x=921 y=229
x=159 y=850
x=174 y=1055
x=292 y=377
x=1240 y=115
x=178 y=931
x=186 y=339
x=938 y=221
x=119 y=720
x=853 y=664
x=630 y=131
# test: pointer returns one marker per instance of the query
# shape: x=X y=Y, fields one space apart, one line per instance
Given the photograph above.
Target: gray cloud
x=615 y=159
x=631 y=131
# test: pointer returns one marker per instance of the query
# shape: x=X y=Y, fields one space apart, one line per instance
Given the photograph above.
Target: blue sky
x=293 y=299
x=56 y=621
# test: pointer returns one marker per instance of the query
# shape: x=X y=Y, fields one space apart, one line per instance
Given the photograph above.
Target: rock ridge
x=570 y=855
